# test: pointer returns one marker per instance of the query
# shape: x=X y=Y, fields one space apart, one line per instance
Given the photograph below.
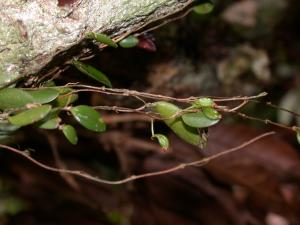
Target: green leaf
x=129 y=42
x=65 y=97
x=102 y=38
x=64 y=90
x=51 y=123
x=211 y=113
x=89 y=118
x=92 y=72
x=162 y=140
x=198 y=120
x=203 y=102
x=44 y=95
x=65 y=100
x=14 y=98
x=204 y=8
x=70 y=134
x=30 y=116
x=185 y=132
x=298 y=137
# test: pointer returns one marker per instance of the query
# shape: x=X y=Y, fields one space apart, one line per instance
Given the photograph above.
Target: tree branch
x=38 y=35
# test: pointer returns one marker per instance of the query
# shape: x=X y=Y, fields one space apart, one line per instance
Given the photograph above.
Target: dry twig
x=87 y=176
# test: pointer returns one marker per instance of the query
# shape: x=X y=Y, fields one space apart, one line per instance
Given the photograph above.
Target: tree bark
x=34 y=32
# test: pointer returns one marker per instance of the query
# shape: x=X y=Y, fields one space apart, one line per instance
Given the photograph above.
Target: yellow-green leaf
x=30 y=116
x=92 y=72
x=66 y=99
x=102 y=38
x=203 y=102
x=185 y=132
x=298 y=137
x=162 y=140
x=129 y=42
x=70 y=134
x=204 y=8
x=44 y=95
x=88 y=118
x=14 y=98
x=198 y=120
x=51 y=123
x=211 y=113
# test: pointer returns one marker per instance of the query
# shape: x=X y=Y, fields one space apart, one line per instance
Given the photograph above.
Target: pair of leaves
x=128 y=42
x=187 y=125
x=85 y=116
x=189 y=134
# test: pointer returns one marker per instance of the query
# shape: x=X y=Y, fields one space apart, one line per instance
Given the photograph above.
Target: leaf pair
x=85 y=116
x=128 y=42
x=187 y=125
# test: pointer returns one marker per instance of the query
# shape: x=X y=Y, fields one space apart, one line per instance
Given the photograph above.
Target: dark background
x=241 y=48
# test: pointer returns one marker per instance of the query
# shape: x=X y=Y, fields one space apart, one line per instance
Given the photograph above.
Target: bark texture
x=33 y=32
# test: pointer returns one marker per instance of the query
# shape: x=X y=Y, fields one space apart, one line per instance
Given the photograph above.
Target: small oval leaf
x=102 y=38
x=198 y=120
x=185 y=132
x=211 y=113
x=14 y=98
x=203 y=102
x=51 y=124
x=88 y=118
x=298 y=137
x=92 y=72
x=44 y=95
x=30 y=116
x=162 y=140
x=129 y=42
x=204 y=8
x=65 y=100
x=70 y=133
x=64 y=90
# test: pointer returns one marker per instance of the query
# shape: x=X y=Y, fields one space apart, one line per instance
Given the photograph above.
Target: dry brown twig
x=134 y=93
x=181 y=166
x=144 y=108
x=141 y=96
